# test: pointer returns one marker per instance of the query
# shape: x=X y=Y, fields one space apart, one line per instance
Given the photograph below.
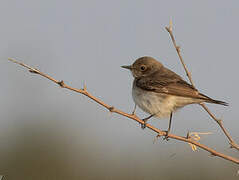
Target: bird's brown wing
x=168 y=82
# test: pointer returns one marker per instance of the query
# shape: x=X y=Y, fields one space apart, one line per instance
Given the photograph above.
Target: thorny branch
x=218 y=121
x=84 y=91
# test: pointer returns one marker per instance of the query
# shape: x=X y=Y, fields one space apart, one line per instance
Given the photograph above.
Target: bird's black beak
x=127 y=67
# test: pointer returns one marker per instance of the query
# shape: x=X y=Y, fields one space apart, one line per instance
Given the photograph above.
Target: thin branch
x=180 y=56
x=130 y=116
x=218 y=121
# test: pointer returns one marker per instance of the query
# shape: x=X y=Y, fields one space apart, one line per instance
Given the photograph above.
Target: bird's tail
x=210 y=100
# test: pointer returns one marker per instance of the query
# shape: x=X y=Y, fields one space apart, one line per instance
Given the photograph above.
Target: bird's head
x=144 y=66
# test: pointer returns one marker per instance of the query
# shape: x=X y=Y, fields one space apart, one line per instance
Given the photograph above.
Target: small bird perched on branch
x=160 y=92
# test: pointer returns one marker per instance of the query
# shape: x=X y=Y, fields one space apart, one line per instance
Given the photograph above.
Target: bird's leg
x=169 y=126
x=145 y=120
x=134 y=109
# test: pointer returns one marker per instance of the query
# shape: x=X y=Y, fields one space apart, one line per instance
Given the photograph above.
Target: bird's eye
x=142 y=67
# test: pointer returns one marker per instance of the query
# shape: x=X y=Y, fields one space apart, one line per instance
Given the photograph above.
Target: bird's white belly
x=158 y=103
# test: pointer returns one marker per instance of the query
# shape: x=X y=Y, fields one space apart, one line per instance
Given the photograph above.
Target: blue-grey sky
x=49 y=132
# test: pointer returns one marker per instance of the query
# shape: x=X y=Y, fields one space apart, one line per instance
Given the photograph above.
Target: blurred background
x=47 y=132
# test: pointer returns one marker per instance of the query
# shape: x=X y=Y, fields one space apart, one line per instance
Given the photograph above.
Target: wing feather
x=168 y=82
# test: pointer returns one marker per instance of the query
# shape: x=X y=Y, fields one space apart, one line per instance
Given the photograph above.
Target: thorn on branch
x=61 y=83
x=170 y=27
x=33 y=71
x=232 y=145
x=178 y=48
x=111 y=109
x=84 y=88
x=170 y=24
x=167 y=28
x=219 y=121
x=213 y=154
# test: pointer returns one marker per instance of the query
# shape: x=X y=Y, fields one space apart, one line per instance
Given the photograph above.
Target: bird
x=160 y=92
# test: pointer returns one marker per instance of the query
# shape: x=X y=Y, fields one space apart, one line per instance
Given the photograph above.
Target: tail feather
x=218 y=102
x=210 y=100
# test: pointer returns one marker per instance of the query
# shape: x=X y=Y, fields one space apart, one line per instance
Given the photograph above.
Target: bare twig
x=218 y=121
x=131 y=116
x=170 y=30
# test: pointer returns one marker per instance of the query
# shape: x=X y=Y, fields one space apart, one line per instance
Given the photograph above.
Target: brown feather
x=168 y=82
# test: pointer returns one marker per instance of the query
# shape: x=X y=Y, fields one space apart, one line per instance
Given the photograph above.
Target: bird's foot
x=133 y=112
x=143 y=126
x=166 y=136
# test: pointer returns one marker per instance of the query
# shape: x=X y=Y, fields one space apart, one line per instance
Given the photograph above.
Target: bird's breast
x=159 y=104
x=153 y=103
